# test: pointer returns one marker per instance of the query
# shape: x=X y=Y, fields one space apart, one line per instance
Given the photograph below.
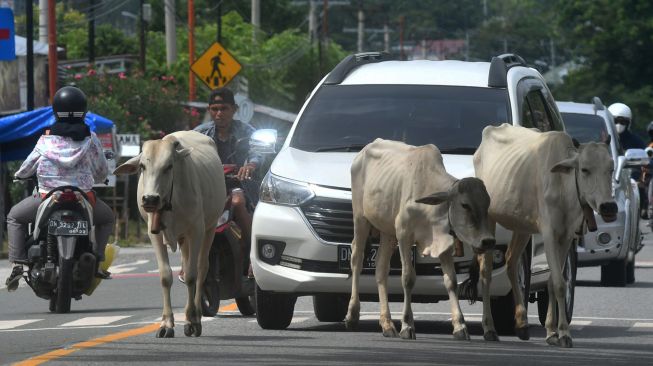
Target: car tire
x=330 y=308
x=503 y=307
x=613 y=274
x=569 y=274
x=274 y=311
x=246 y=305
x=630 y=271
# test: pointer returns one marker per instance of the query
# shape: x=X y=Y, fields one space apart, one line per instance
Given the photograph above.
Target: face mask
x=621 y=128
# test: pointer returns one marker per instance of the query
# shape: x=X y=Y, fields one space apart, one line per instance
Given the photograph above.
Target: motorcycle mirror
x=264 y=141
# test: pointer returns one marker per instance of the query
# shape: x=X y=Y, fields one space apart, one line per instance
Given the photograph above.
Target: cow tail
x=469 y=288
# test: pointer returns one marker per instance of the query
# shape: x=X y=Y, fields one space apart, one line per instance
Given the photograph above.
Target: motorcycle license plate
x=369 y=262
x=56 y=227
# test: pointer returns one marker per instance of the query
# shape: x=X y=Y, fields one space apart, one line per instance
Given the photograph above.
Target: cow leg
x=165 y=273
x=549 y=324
x=559 y=288
x=513 y=255
x=457 y=320
x=202 y=270
x=190 y=252
x=408 y=281
x=361 y=232
x=489 y=332
x=382 y=269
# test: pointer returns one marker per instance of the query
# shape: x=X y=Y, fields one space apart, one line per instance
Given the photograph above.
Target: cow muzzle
x=485 y=245
x=150 y=203
x=608 y=211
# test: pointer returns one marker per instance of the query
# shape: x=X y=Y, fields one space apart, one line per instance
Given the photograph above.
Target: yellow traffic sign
x=216 y=67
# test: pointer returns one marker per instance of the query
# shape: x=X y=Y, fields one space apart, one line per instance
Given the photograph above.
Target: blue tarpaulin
x=19 y=132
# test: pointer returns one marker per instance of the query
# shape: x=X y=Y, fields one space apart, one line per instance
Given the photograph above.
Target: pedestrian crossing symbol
x=216 y=67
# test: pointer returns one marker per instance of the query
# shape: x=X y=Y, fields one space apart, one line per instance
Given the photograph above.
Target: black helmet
x=69 y=105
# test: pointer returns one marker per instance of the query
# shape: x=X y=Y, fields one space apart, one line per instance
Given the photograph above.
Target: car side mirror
x=264 y=141
x=636 y=157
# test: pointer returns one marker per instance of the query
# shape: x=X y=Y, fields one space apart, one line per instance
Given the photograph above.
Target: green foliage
x=139 y=104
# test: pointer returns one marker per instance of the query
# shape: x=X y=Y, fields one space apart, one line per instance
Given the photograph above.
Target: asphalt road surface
x=116 y=325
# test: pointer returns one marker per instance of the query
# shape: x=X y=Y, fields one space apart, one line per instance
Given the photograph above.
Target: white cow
x=181 y=194
x=405 y=193
x=542 y=183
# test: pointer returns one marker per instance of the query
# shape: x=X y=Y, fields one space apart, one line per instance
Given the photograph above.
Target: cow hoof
x=351 y=324
x=461 y=335
x=491 y=336
x=407 y=333
x=523 y=333
x=553 y=340
x=390 y=333
x=164 y=332
x=189 y=330
x=565 y=342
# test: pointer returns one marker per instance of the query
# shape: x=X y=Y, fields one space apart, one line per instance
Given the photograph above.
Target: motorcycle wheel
x=211 y=291
x=246 y=305
x=64 y=286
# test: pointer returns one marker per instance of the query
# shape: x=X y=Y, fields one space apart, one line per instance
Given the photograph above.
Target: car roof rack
x=499 y=66
x=342 y=69
x=598 y=104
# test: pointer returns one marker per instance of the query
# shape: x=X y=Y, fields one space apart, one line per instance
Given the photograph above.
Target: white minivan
x=303 y=226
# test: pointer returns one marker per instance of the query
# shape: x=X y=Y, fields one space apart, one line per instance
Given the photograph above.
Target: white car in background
x=614 y=245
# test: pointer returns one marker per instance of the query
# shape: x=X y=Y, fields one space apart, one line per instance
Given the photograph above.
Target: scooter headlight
x=284 y=192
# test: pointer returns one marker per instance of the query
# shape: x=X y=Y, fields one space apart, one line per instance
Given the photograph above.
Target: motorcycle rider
x=232 y=140
x=628 y=140
x=67 y=154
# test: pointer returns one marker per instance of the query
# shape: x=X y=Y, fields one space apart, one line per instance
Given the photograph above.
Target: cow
x=542 y=182
x=405 y=193
x=181 y=194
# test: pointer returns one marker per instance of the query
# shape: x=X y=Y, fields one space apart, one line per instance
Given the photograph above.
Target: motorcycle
x=229 y=275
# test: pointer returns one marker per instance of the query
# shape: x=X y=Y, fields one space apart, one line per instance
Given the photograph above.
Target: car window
x=451 y=117
x=556 y=118
x=586 y=127
x=541 y=115
x=527 y=115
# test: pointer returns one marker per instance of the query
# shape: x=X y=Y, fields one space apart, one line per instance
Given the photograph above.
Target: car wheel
x=569 y=274
x=211 y=291
x=274 y=311
x=630 y=270
x=330 y=308
x=613 y=274
x=246 y=305
x=503 y=307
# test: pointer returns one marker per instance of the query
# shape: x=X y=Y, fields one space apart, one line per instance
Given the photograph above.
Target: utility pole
x=325 y=21
x=142 y=36
x=361 y=28
x=312 y=21
x=91 y=34
x=171 y=33
x=256 y=18
x=401 y=38
x=43 y=21
x=52 y=48
x=220 y=22
x=191 y=49
x=29 y=13
x=553 y=52
x=386 y=37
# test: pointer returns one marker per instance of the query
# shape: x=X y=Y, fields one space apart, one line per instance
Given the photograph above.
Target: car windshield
x=347 y=117
x=585 y=127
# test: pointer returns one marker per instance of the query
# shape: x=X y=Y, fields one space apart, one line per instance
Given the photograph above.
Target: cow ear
x=131 y=166
x=566 y=165
x=434 y=199
x=575 y=142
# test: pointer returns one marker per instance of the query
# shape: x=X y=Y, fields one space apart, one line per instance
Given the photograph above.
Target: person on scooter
x=232 y=140
x=67 y=154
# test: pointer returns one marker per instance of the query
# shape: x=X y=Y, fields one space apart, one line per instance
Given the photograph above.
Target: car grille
x=332 y=219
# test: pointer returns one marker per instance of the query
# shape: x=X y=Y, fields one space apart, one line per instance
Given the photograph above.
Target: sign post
x=216 y=67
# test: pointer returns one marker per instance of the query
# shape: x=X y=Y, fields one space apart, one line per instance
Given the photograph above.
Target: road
x=116 y=326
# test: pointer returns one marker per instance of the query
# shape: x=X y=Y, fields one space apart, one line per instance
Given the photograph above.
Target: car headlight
x=284 y=192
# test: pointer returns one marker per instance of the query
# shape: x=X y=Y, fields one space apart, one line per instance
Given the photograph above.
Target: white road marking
x=173 y=268
x=643 y=264
x=641 y=325
x=10 y=324
x=580 y=324
x=94 y=320
x=299 y=319
x=181 y=317
x=127 y=267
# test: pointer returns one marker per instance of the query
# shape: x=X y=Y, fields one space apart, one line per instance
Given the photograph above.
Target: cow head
x=468 y=212
x=155 y=164
x=594 y=169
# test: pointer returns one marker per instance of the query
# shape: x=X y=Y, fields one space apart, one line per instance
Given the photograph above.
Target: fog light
x=270 y=251
x=604 y=238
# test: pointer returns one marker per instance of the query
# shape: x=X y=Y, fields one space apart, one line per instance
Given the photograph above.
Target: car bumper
x=309 y=265
x=597 y=248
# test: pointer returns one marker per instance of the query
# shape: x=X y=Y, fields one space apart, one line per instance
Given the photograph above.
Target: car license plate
x=56 y=227
x=369 y=262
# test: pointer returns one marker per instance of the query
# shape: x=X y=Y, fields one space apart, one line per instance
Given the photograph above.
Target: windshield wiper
x=459 y=150
x=347 y=148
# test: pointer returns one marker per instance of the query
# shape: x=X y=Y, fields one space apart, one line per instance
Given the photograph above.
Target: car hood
x=332 y=169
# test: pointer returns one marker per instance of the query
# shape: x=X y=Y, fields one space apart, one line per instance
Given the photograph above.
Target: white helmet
x=621 y=110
